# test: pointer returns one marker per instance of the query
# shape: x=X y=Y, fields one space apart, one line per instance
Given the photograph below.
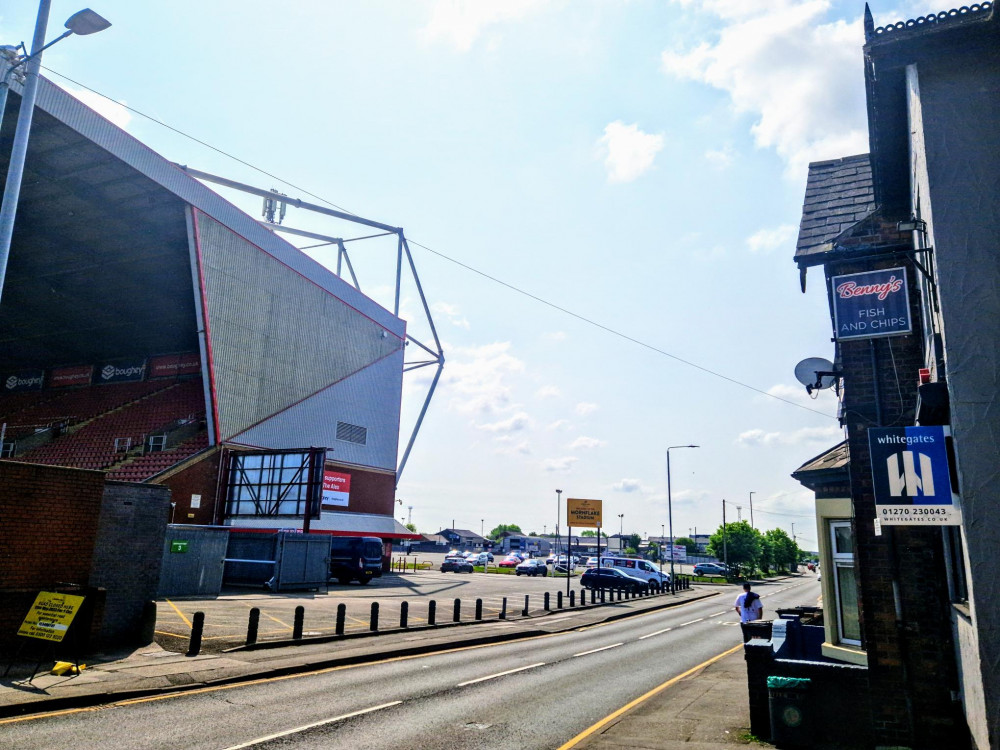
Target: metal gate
x=284 y=561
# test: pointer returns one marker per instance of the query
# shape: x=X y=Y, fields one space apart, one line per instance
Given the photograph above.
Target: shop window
x=845 y=583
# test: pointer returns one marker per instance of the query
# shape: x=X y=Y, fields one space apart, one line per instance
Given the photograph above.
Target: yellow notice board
x=584 y=514
x=50 y=616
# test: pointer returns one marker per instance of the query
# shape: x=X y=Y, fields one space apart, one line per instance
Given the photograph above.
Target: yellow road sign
x=584 y=514
x=50 y=616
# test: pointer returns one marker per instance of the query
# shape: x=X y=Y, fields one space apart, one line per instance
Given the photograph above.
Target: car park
x=710 y=569
x=456 y=564
x=532 y=567
x=612 y=578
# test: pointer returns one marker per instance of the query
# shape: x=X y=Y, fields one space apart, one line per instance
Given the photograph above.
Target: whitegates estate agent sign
x=911 y=476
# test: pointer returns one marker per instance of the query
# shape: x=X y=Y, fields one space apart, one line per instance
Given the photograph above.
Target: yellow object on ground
x=67 y=667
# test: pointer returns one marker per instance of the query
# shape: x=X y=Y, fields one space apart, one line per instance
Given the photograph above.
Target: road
x=533 y=693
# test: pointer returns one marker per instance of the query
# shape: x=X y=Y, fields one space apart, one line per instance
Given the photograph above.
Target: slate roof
x=832 y=459
x=839 y=194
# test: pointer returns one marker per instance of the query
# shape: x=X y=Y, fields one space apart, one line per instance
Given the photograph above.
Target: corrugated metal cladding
x=369 y=398
x=276 y=337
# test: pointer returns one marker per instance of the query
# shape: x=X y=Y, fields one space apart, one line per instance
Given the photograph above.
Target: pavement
x=704 y=708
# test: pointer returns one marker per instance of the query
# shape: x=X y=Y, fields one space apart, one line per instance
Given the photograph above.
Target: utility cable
x=467 y=267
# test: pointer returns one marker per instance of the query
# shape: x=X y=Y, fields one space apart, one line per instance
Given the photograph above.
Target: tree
x=743 y=547
x=497 y=531
x=785 y=551
x=588 y=532
x=633 y=542
x=412 y=527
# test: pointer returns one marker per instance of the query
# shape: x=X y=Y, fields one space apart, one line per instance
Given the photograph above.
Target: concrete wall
x=954 y=113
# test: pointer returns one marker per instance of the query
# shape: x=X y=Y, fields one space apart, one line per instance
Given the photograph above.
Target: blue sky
x=640 y=163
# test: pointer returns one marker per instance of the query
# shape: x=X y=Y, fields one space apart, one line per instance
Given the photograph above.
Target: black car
x=456 y=564
x=611 y=578
x=532 y=567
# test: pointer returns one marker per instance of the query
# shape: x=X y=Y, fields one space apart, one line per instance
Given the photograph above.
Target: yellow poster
x=50 y=616
x=584 y=514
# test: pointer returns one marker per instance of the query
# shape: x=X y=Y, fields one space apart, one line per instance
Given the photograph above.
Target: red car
x=511 y=561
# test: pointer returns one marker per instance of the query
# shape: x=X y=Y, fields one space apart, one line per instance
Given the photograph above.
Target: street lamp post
x=751 y=509
x=83 y=22
x=621 y=534
x=558 y=504
x=670 y=511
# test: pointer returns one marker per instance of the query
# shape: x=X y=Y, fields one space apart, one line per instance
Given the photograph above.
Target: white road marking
x=690 y=623
x=719 y=613
x=500 y=674
x=658 y=632
x=270 y=737
x=595 y=650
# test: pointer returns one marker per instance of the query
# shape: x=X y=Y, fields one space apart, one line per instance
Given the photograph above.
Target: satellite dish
x=806 y=372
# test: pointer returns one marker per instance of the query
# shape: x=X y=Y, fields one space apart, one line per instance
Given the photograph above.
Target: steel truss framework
x=435 y=354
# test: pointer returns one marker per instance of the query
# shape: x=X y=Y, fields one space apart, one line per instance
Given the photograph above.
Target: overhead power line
x=466 y=266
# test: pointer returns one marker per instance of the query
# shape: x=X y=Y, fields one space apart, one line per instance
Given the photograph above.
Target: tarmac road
x=533 y=693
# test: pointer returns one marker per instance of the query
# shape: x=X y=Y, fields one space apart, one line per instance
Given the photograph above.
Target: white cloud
x=766 y=240
x=584 y=408
x=627 y=485
x=461 y=22
x=554 y=336
x=563 y=464
x=106 y=108
x=826 y=435
x=627 y=151
x=798 y=77
x=825 y=400
x=548 y=391
x=510 y=448
x=559 y=424
x=476 y=378
x=587 y=442
x=451 y=313
x=720 y=158
x=515 y=423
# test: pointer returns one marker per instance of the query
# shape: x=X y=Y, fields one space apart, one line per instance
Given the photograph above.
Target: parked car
x=456 y=564
x=532 y=568
x=639 y=568
x=355 y=558
x=710 y=569
x=550 y=560
x=611 y=578
x=511 y=561
x=479 y=558
x=591 y=562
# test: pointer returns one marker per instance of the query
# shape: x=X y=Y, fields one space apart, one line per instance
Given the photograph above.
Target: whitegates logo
x=907 y=480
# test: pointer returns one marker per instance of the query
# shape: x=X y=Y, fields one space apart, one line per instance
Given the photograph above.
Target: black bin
x=788 y=700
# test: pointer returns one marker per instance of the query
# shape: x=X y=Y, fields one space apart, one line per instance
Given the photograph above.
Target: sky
x=602 y=199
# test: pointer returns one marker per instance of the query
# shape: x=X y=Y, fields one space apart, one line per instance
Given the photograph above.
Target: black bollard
x=298 y=622
x=479 y=609
x=524 y=612
x=604 y=597
x=545 y=603
x=503 y=609
x=341 y=617
x=197 y=628
x=373 y=622
x=404 y=615
x=572 y=598
x=431 y=611
x=456 y=614
x=559 y=601
x=253 y=625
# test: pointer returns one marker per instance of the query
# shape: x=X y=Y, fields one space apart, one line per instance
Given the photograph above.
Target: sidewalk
x=706 y=709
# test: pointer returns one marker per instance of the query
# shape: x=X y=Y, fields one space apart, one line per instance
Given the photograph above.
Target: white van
x=639 y=568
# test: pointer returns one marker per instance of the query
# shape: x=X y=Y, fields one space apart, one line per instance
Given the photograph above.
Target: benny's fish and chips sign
x=871 y=304
x=584 y=514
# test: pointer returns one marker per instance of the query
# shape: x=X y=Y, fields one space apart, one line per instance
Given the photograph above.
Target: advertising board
x=584 y=514
x=912 y=477
x=871 y=304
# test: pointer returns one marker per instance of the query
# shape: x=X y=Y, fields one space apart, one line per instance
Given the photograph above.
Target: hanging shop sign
x=871 y=304
x=912 y=477
x=584 y=514
x=50 y=616
x=336 y=489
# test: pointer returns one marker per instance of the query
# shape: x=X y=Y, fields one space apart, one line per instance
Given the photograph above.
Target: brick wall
x=128 y=553
x=202 y=479
x=910 y=658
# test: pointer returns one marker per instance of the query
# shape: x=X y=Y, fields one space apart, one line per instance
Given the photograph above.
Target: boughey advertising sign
x=875 y=303
x=911 y=476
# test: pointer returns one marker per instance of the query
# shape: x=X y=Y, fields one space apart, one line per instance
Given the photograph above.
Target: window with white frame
x=845 y=583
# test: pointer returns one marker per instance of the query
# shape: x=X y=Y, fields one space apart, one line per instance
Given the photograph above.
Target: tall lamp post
x=621 y=534
x=670 y=510
x=83 y=22
x=558 y=504
x=751 y=509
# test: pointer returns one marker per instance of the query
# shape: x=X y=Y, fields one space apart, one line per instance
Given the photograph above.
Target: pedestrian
x=748 y=604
